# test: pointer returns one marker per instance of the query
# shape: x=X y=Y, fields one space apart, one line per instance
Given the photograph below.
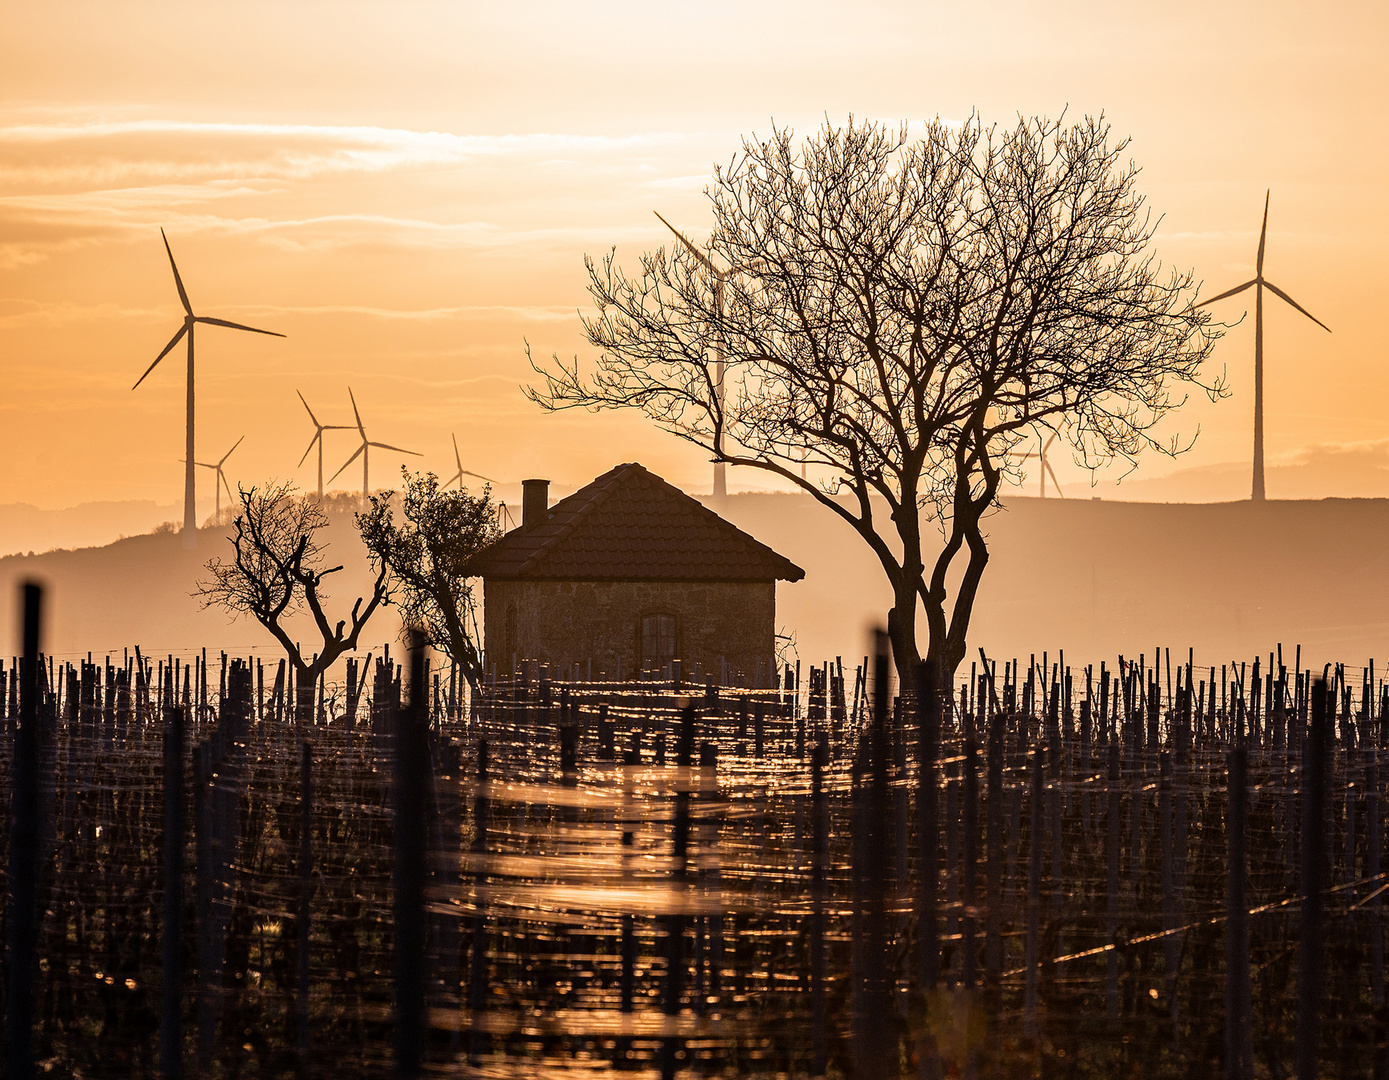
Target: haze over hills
x=1094 y=577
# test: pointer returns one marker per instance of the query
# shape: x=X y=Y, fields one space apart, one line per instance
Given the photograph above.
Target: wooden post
x=993 y=927
x=478 y=967
x=22 y=914
x=874 y=1047
x=819 y=844
x=305 y=892
x=1313 y=882
x=1113 y=813
x=1036 y=837
x=673 y=996
x=1373 y=839
x=1171 y=944
x=1239 y=1035
x=411 y=783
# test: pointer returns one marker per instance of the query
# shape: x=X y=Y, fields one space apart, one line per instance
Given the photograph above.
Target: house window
x=657 y=641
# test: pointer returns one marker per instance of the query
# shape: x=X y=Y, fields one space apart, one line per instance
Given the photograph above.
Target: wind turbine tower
x=190 y=320
x=365 y=452
x=462 y=472
x=1044 y=468
x=1260 y=283
x=319 y=429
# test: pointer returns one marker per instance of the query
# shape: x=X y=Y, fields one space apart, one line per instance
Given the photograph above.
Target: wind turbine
x=220 y=478
x=190 y=523
x=1260 y=284
x=319 y=429
x=720 y=482
x=462 y=472
x=364 y=452
x=1046 y=470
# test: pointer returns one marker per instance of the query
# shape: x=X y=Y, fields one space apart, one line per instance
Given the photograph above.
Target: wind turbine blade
x=225 y=486
x=1054 y=482
x=1228 y=292
x=357 y=414
x=182 y=294
x=479 y=476
x=456 y=476
x=457 y=460
x=699 y=255
x=1049 y=442
x=1263 y=235
x=316 y=436
x=229 y=452
x=1280 y=293
x=310 y=412
x=234 y=325
x=349 y=461
x=172 y=342
x=397 y=449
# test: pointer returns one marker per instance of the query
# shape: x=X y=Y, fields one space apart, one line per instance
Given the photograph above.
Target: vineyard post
x=1036 y=840
x=1113 y=812
x=1239 y=1035
x=411 y=783
x=1313 y=854
x=305 y=892
x=819 y=844
x=993 y=928
x=1372 y=871
x=478 y=965
x=25 y=830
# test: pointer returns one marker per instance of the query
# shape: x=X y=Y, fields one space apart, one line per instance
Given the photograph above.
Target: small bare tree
x=895 y=316
x=426 y=556
x=277 y=572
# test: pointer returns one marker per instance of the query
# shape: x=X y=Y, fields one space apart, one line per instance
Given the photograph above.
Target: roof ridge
x=604 y=486
x=631 y=521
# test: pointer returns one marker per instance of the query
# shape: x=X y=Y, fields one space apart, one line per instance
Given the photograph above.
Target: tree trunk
x=901 y=628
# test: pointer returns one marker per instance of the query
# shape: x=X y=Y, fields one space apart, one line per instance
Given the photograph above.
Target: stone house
x=626 y=575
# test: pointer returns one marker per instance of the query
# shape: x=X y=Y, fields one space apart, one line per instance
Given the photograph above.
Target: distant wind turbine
x=462 y=472
x=720 y=480
x=1045 y=470
x=1260 y=284
x=190 y=523
x=319 y=429
x=220 y=478
x=364 y=452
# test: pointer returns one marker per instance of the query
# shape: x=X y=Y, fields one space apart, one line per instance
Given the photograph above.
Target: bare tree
x=277 y=572
x=896 y=315
x=426 y=556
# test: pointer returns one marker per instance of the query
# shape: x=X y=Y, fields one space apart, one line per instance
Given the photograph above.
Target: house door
x=657 y=641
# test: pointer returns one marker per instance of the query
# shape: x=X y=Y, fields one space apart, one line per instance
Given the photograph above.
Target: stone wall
x=566 y=622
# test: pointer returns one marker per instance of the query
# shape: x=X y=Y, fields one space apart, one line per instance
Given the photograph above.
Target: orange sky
x=408 y=190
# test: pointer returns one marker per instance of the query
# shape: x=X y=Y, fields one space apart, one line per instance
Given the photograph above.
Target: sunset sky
x=408 y=191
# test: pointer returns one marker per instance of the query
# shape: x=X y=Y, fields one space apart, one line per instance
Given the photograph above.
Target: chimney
x=535 y=502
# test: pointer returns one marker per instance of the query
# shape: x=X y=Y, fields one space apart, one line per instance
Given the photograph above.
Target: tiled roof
x=630 y=525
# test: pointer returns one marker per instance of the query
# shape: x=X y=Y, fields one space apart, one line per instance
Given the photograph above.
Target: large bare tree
x=896 y=314
x=277 y=571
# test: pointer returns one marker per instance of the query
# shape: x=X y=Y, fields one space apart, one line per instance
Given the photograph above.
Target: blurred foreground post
x=411 y=780
x=1314 y=852
x=171 y=1015
x=1239 y=1036
x=305 y=891
x=22 y=910
x=875 y=1049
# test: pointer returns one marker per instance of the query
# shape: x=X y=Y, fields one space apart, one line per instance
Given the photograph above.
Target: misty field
x=579 y=877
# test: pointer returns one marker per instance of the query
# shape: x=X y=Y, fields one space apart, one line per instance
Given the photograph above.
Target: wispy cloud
x=102 y=154
x=23 y=312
